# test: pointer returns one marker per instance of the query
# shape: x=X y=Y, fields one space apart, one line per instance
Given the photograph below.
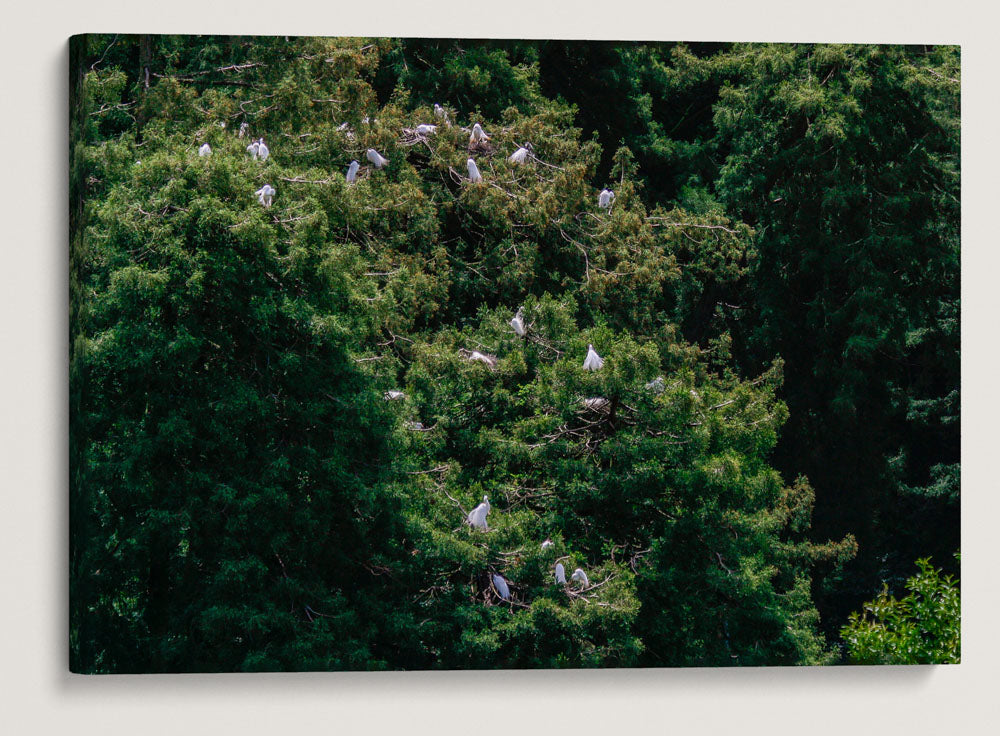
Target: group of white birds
x=259 y=151
x=477 y=519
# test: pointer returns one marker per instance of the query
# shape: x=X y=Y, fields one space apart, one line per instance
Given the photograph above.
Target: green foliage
x=920 y=628
x=244 y=497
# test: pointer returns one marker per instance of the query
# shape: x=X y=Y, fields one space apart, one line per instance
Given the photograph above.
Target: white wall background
x=38 y=695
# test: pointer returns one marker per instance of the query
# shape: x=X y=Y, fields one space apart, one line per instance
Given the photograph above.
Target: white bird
x=560 y=573
x=477 y=517
x=598 y=403
x=606 y=199
x=581 y=576
x=424 y=129
x=656 y=385
x=253 y=148
x=394 y=395
x=478 y=134
x=265 y=195
x=244 y=128
x=518 y=324
x=205 y=150
x=352 y=172
x=520 y=155
x=501 y=585
x=440 y=112
x=593 y=361
x=262 y=150
x=416 y=426
x=474 y=174
x=546 y=544
x=376 y=158
x=475 y=356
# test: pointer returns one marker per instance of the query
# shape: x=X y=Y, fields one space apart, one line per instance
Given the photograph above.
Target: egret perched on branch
x=474 y=174
x=561 y=573
x=440 y=112
x=520 y=155
x=477 y=517
x=593 y=361
x=253 y=148
x=606 y=199
x=501 y=585
x=656 y=385
x=265 y=195
x=425 y=129
x=205 y=150
x=478 y=135
x=352 y=172
x=518 y=324
x=580 y=576
x=546 y=544
x=377 y=159
x=244 y=128
x=394 y=395
x=475 y=356
x=262 y=150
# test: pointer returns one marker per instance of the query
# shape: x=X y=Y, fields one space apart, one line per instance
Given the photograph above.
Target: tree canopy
x=283 y=411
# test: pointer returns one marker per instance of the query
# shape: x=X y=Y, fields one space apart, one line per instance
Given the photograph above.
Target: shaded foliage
x=244 y=497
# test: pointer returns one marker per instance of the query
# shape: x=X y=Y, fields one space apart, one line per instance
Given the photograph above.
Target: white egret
x=253 y=148
x=424 y=129
x=598 y=403
x=377 y=159
x=560 y=573
x=478 y=135
x=656 y=385
x=394 y=395
x=518 y=324
x=440 y=112
x=262 y=150
x=477 y=517
x=580 y=576
x=474 y=174
x=352 y=172
x=546 y=544
x=593 y=361
x=520 y=155
x=265 y=195
x=475 y=356
x=501 y=585
x=244 y=128
x=205 y=150
x=606 y=199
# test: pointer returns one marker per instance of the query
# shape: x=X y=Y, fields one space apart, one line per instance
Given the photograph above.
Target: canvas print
x=413 y=354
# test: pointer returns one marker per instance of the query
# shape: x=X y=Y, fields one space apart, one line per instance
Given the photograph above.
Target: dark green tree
x=244 y=496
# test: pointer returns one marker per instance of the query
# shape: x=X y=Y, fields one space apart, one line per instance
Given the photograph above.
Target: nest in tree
x=482 y=146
